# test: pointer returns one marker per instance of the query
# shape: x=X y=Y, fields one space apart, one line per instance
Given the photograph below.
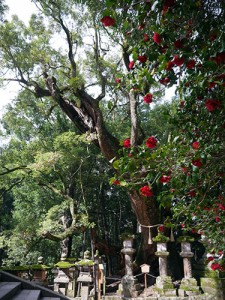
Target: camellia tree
x=163 y=43
x=182 y=44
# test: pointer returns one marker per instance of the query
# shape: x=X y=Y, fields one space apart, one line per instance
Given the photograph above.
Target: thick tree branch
x=8 y=171
x=70 y=45
x=134 y=119
x=99 y=64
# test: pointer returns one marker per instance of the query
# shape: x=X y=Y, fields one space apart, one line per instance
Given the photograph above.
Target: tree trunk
x=147 y=214
x=66 y=243
x=88 y=118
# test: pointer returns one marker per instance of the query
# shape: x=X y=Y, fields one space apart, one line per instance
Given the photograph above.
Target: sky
x=24 y=9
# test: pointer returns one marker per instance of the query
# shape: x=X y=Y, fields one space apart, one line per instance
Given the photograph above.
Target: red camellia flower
x=212 y=104
x=142 y=58
x=161 y=228
x=156 y=38
x=217 y=218
x=197 y=162
x=215 y=266
x=221 y=206
x=151 y=142
x=108 y=21
x=148 y=98
x=164 y=81
x=118 y=80
x=131 y=65
x=146 y=191
x=178 y=61
x=195 y=145
x=211 y=84
x=210 y=258
x=116 y=182
x=169 y=65
x=146 y=37
x=164 y=179
x=190 y=64
x=126 y=143
x=178 y=44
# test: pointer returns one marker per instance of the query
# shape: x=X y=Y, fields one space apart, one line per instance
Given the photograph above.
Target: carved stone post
x=188 y=286
x=164 y=285
x=128 y=252
x=129 y=283
x=186 y=254
x=162 y=254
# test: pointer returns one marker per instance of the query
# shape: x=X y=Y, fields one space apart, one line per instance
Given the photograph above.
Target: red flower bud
x=197 y=162
x=142 y=58
x=131 y=64
x=148 y=98
x=195 y=145
x=151 y=142
x=212 y=104
x=126 y=143
x=116 y=182
x=107 y=21
x=178 y=61
x=156 y=38
x=146 y=37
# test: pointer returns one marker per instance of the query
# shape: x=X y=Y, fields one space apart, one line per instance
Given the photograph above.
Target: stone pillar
x=188 y=286
x=128 y=255
x=186 y=254
x=129 y=283
x=164 y=285
x=162 y=254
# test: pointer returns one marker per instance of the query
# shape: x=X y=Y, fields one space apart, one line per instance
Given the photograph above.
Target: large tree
x=78 y=77
x=156 y=44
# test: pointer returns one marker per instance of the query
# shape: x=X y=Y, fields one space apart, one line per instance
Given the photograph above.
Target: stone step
x=27 y=295
x=9 y=289
x=49 y=298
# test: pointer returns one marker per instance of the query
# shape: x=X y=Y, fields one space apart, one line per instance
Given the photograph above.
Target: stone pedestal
x=188 y=287
x=130 y=286
x=164 y=287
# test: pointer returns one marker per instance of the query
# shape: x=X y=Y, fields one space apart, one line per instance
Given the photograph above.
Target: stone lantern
x=129 y=283
x=188 y=286
x=164 y=285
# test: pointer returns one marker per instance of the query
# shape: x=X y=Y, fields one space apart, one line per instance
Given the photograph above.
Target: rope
x=150 y=242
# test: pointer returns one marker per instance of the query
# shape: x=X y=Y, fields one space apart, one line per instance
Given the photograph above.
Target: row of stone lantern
x=164 y=285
